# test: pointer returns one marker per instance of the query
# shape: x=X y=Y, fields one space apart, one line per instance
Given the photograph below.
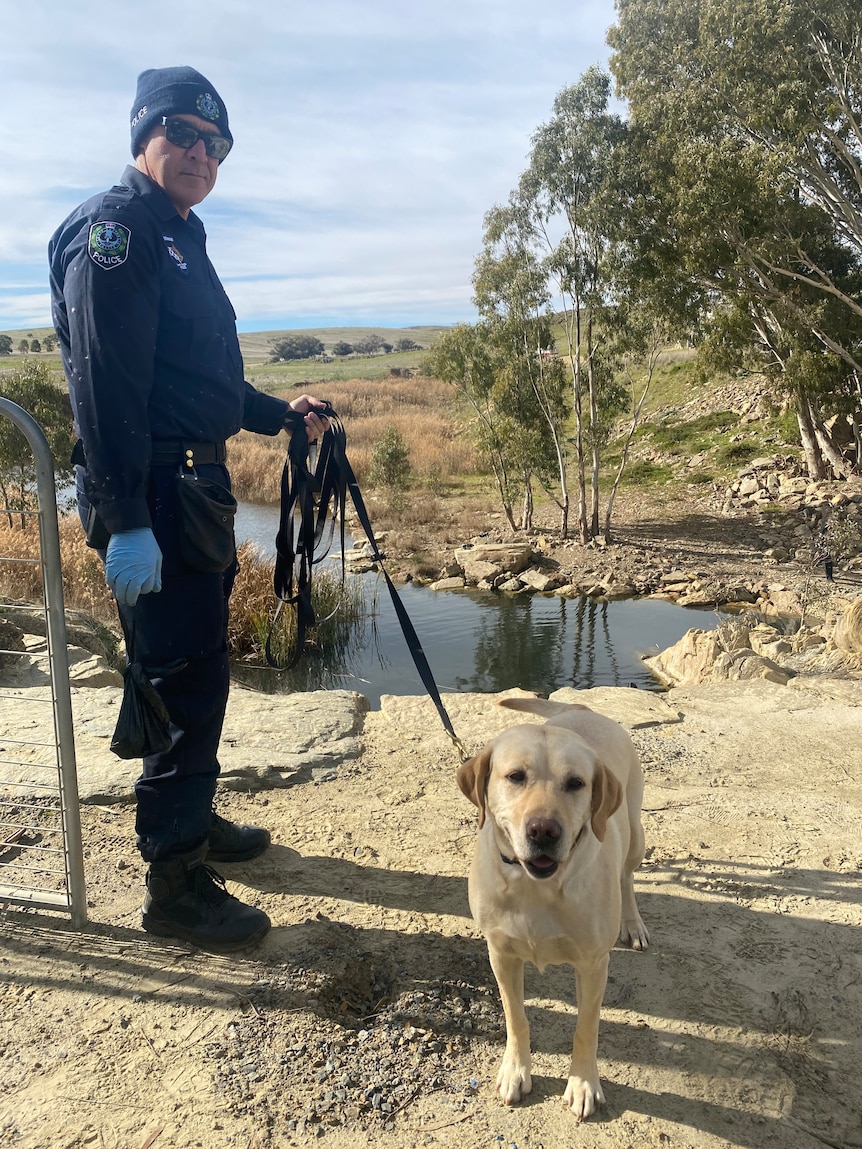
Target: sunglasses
x=183 y=135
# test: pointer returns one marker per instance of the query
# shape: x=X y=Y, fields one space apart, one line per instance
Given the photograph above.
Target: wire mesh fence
x=41 y=857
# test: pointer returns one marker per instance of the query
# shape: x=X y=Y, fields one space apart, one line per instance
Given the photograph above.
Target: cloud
x=370 y=138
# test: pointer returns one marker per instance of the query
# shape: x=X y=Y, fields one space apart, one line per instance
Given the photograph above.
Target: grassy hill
x=256 y=347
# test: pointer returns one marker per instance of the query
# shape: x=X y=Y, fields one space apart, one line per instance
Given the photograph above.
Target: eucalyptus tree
x=574 y=193
x=465 y=357
x=35 y=388
x=746 y=114
x=512 y=297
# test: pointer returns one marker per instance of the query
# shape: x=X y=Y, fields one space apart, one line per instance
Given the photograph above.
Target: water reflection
x=481 y=642
x=486 y=643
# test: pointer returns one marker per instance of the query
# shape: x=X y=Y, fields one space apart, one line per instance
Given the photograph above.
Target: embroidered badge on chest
x=175 y=254
x=108 y=245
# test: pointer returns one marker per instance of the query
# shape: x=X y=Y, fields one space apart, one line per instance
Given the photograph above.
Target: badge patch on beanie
x=207 y=106
x=108 y=245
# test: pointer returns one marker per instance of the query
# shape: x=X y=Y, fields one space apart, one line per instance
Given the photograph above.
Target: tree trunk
x=830 y=451
x=527 y=515
x=813 y=455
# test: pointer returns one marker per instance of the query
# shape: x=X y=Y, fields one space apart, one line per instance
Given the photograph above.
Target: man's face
x=187 y=175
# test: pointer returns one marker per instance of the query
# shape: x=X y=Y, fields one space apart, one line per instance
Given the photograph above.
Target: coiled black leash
x=311 y=502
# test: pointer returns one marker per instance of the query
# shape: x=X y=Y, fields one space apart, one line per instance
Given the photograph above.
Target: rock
x=538 y=580
x=632 y=708
x=847 y=634
x=484 y=560
x=451 y=582
x=81 y=630
x=510 y=586
x=688 y=661
x=744 y=665
x=86 y=669
x=11 y=640
x=270 y=740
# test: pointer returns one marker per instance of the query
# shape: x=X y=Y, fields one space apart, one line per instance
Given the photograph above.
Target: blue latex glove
x=133 y=565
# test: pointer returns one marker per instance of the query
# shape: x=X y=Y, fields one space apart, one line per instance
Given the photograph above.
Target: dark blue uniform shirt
x=148 y=339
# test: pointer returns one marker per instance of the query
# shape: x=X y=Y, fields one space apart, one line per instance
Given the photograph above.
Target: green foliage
x=342 y=609
x=642 y=472
x=747 y=135
x=390 y=462
x=739 y=453
x=24 y=346
x=296 y=347
x=5 y=344
x=406 y=345
x=342 y=348
x=371 y=345
x=32 y=387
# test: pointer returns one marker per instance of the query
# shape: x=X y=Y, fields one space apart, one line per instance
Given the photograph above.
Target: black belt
x=168 y=452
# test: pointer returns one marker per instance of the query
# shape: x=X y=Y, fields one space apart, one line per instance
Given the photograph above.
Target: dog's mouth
x=542 y=866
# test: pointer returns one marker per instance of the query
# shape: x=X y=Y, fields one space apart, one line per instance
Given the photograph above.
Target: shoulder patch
x=108 y=245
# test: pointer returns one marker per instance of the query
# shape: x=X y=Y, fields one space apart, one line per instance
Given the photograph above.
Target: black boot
x=233 y=842
x=186 y=899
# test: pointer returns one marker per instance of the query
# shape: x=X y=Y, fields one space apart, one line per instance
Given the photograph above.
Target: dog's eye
x=517 y=776
x=574 y=784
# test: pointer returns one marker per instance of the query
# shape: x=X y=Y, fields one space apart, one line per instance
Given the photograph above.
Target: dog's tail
x=541 y=706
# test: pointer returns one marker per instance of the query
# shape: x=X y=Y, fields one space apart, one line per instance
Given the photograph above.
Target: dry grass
x=83 y=575
x=423 y=410
x=253 y=602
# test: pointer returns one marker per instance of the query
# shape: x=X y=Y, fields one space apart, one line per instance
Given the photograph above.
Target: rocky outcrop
x=847 y=635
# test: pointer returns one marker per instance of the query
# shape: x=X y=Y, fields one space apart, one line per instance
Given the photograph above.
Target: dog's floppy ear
x=606 y=799
x=473 y=780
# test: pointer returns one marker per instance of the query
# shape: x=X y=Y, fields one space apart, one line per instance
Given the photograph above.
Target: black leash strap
x=306 y=496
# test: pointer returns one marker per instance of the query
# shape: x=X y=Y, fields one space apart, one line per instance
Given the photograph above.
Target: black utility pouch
x=98 y=535
x=207 y=512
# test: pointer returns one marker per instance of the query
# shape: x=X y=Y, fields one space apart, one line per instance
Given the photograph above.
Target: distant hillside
x=257 y=344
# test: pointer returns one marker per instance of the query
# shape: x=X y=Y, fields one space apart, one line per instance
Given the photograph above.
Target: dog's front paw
x=514 y=1081
x=583 y=1096
x=634 y=934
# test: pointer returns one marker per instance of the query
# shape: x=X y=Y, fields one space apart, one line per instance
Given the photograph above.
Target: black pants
x=186 y=620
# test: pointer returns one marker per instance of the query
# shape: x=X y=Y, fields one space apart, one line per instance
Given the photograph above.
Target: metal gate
x=41 y=859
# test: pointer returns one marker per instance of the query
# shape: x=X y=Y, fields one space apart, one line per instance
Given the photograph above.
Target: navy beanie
x=169 y=91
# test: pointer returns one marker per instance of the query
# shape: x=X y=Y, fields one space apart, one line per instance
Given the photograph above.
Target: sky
x=370 y=139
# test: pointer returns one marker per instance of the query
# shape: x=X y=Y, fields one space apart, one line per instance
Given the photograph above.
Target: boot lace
x=210 y=885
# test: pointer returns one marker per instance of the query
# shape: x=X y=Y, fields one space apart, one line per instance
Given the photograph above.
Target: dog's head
x=541 y=787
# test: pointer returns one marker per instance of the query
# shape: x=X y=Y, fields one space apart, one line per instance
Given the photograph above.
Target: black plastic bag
x=143 y=726
x=207 y=513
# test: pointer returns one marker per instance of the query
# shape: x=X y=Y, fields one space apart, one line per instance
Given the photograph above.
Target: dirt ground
x=370 y=1016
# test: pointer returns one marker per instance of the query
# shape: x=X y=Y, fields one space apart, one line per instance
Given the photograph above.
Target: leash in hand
x=313 y=496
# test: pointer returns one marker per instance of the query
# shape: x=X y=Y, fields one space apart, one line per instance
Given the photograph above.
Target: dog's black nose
x=543 y=831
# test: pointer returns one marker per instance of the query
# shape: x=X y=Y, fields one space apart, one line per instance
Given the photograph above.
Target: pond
x=480 y=642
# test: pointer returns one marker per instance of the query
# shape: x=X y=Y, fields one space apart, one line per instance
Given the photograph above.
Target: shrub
x=390 y=461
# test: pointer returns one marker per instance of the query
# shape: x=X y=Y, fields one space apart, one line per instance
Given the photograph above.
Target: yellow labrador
x=560 y=837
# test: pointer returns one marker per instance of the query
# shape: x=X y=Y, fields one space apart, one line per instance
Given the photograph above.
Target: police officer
x=151 y=355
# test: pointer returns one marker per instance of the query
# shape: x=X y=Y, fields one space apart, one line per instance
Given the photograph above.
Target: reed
x=253 y=602
x=424 y=411
x=340 y=607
